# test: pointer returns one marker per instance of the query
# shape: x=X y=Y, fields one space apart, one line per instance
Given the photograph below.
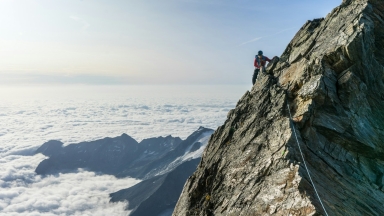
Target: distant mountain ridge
x=109 y=155
x=163 y=163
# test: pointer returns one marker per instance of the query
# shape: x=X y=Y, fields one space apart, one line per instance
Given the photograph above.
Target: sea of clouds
x=30 y=116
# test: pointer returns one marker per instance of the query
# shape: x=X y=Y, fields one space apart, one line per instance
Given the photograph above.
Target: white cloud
x=250 y=41
x=31 y=116
x=82 y=193
x=74 y=114
x=258 y=38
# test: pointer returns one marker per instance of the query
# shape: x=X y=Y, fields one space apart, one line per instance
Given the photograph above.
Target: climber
x=259 y=63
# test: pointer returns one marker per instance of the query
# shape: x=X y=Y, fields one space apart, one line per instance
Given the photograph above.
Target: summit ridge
x=331 y=76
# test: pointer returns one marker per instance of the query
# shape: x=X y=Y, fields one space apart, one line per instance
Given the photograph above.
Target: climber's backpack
x=263 y=59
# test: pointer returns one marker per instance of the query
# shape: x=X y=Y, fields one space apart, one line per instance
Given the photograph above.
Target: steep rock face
x=331 y=77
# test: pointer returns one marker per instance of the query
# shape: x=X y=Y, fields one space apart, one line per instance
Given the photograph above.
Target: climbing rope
x=310 y=178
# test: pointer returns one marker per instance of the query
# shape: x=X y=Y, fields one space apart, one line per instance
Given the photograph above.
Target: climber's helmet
x=260 y=53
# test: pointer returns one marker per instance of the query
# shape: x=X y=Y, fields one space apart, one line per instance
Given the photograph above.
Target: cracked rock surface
x=331 y=77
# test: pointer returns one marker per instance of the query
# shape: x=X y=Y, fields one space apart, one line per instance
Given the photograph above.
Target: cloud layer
x=30 y=117
x=74 y=115
x=81 y=193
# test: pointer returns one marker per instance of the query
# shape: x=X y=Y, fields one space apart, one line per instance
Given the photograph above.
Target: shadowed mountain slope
x=159 y=194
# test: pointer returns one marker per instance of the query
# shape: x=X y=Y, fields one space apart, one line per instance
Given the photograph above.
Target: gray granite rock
x=331 y=77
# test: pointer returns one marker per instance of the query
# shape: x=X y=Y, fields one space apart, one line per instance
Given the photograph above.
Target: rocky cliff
x=331 y=78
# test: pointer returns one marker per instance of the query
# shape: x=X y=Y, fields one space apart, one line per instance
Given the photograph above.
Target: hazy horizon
x=145 y=42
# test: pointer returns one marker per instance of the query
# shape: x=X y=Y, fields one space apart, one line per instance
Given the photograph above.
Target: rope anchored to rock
x=302 y=156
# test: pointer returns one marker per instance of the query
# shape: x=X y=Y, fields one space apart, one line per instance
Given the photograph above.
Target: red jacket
x=262 y=61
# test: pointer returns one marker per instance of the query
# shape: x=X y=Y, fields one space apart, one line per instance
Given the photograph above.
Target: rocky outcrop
x=331 y=78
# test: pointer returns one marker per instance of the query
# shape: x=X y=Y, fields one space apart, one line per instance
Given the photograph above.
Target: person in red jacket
x=259 y=63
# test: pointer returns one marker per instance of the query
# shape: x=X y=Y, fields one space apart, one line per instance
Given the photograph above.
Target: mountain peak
x=50 y=148
x=330 y=79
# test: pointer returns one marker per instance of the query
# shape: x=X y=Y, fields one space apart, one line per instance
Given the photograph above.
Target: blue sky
x=145 y=41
